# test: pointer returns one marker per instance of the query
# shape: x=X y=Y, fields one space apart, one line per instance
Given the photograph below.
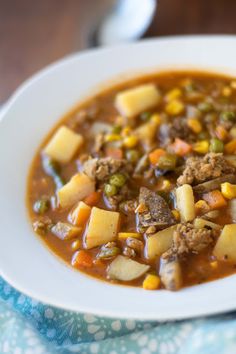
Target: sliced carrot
x=93 y=199
x=155 y=155
x=230 y=147
x=82 y=259
x=180 y=147
x=79 y=216
x=114 y=152
x=215 y=199
x=221 y=132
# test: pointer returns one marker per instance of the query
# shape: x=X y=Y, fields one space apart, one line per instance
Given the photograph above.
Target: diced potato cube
x=185 y=202
x=65 y=231
x=63 y=145
x=78 y=188
x=201 y=223
x=126 y=269
x=133 y=101
x=225 y=248
x=103 y=227
x=159 y=242
x=80 y=215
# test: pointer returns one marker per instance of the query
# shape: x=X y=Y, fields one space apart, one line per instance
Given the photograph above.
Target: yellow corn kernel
x=151 y=282
x=156 y=119
x=120 y=120
x=130 y=141
x=233 y=85
x=176 y=214
x=202 y=206
x=226 y=91
x=125 y=235
x=112 y=137
x=126 y=131
x=173 y=94
x=230 y=147
x=76 y=245
x=214 y=264
x=201 y=146
x=195 y=125
x=165 y=185
x=174 y=107
x=228 y=190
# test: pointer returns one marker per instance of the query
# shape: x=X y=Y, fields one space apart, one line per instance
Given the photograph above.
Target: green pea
x=117 y=180
x=132 y=155
x=205 y=107
x=228 y=116
x=145 y=116
x=110 y=190
x=116 y=129
x=41 y=206
x=216 y=145
x=210 y=118
x=167 y=162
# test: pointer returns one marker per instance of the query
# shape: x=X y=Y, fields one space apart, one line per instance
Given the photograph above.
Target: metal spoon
x=127 y=21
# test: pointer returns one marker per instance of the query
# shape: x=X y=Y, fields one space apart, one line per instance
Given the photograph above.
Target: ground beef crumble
x=201 y=169
x=187 y=239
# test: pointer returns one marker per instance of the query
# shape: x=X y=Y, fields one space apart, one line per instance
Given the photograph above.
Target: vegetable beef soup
x=137 y=186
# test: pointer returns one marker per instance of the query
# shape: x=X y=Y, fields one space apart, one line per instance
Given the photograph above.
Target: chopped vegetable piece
x=228 y=116
x=125 y=235
x=226 y=91
x=174 y=107
x=110 y=190
x=201 y=147
x=93 y=199
x=159 y=242
x=180 y=147
x=80 y=215
x=41 y=206
x=176 y=214
x=116 y=129
x=52 y=169
x=126 y=269
x=214 y=184
x=103 y=227
x=195 y=125
x=132 y=155
x=112 y=137
x=215 y=199
x=167 y=162
x=108 y=253
x=225 y=248
x=79 y=187
x=114 y=152
x=76 y=245
x=66 y=231
x=185 y=202
x=228 y=190
x=173 y=94
x=200 y=223
x=221 y=132
x=155 y=155
x=63 y=145
x=230 y=148
x=130 y=141
x=155 y=119
x=171 y=274
x=134 y=101
x=117 y=180
x=145 y=116
x=151 y=282
x=202 y=206
x=82 y=259
x=216 y=145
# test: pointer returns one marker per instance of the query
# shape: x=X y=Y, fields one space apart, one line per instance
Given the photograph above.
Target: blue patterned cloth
x=29 y=327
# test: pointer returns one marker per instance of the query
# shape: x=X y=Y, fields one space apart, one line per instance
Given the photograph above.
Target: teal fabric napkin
x=30 y=327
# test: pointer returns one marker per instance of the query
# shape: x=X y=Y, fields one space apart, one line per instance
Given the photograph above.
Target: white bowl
x=36 y=106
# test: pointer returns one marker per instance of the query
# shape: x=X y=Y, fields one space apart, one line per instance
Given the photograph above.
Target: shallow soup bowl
x=27 y=117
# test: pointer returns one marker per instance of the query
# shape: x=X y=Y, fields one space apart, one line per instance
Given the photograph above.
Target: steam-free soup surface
x=138 y=185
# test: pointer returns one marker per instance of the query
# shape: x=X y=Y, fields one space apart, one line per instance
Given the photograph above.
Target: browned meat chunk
x=102 y=168
x=156 y=211
x=187 y=239
x=201 y=169
x=178 y=128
